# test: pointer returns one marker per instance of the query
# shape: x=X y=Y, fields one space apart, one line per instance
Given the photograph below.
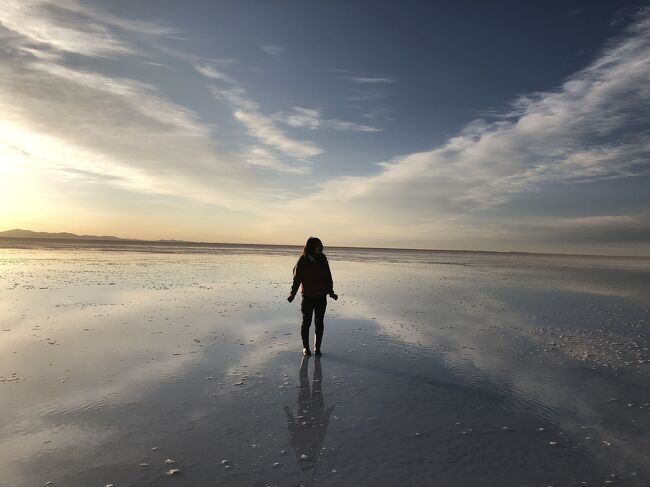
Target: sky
x=507 y=126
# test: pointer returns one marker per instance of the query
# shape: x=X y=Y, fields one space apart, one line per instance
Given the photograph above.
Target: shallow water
x=438 y=368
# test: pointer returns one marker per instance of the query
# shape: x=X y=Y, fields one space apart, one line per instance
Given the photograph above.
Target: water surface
x=119 y=365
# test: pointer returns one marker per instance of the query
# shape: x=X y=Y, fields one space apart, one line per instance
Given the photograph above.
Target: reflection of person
x=312 y=271
x=308 y=427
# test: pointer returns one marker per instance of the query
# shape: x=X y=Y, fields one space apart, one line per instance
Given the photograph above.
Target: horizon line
x=117 y=240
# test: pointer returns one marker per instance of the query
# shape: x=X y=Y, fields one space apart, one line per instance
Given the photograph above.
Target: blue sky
x=460 y=125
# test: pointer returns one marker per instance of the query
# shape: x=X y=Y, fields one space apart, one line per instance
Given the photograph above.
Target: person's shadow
x=308 y=427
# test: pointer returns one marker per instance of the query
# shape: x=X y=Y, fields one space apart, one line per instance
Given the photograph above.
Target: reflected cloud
x=156 y=345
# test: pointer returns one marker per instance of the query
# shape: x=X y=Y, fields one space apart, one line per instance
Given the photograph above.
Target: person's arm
x=297 y=278
x=330 y=281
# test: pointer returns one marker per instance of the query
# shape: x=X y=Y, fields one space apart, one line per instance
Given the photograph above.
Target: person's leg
x=304 y=393
x=319 y=319
x=307 y=308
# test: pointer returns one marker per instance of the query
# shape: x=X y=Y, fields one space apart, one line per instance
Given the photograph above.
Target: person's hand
x=334 y=296
x=291 y=296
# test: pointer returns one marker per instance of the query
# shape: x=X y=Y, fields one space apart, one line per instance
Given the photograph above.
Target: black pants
x=312 y=305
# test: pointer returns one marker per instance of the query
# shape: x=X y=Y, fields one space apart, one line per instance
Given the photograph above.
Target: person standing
x=312 y=271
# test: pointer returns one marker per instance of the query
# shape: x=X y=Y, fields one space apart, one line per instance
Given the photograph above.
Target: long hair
x=312 y=243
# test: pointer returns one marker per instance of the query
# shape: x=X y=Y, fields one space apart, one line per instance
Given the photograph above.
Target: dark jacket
x=315 y=277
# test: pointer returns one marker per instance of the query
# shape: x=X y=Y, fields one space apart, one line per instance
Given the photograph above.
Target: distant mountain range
x=17 y=233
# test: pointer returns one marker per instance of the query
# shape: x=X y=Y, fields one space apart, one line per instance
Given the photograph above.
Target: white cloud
x=67 y=124
x=71 y=26
x=261 y=126
x=131 y=25
x=265 y=127
x=210 y=71
x=38 y=22
x=263 y=157
x=311 y=119
x=594 y=126
x=142 y=97
x=301 y=117
x=71 y=121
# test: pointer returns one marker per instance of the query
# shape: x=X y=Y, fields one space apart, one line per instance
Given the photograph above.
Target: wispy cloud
x=142 y=97
x=311 y=118
x=266 y=127
x=69 y=115
x=370 y=80
x=272 y=49
x=41 y=24
x=363 y=88
x=71 y=122
x=261 y=126
x=71 y=26
x=588 y=129
x=594 y=126
x=263 y=157
x=211 y=71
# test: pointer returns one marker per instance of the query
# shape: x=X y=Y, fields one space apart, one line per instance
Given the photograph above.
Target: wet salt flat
x=182 y=366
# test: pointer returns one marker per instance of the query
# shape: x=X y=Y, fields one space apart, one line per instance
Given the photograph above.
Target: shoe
x=317 y=351
x=306 y=352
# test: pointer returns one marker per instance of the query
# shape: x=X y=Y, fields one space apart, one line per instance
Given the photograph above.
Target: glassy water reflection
x=308 y=424
x=445 y=369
